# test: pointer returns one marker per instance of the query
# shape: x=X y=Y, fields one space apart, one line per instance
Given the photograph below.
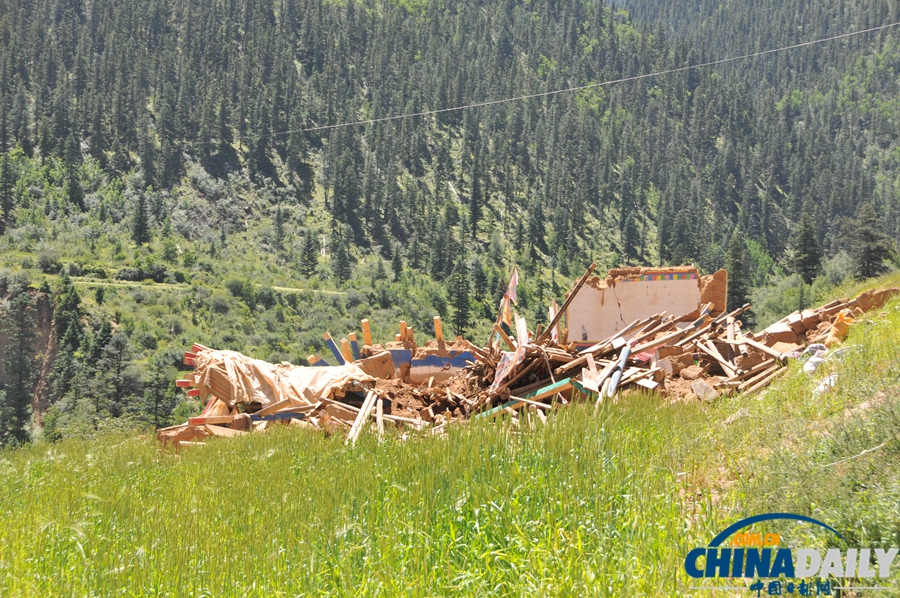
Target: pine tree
x=479 y=279
x=309 y=255
x=72 y=157
x=736 y=265
x=118 y=382
x=804 y=254
x=630 y=239
x=459 y=291
x=17 y=322
x=397 y=263
x=279 y=228
x=476 y=197
x=140 y=229
x=870 y=245
x=340 y=259
x=7 y=182
x=380 y=273
x=159 y=392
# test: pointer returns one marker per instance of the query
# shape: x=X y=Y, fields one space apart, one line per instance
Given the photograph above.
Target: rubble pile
x=403 y=384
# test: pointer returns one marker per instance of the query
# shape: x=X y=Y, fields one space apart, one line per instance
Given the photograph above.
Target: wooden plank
x=184 y=383
x=345 y=351
x=367 y=334
x=752 y=371
x=537 y=395
x=527 y=370
x=565 y=306
x=729 y=334
x=334 y=348
x=509 y=342
x=402 y=330
x=759 y=346
x=212 y=419
x=224 y=432
x=291 y=404
x=710 y=350
x=361 y=417
x=439 y=333
x=668 y=339
x=662 y=327
x=354 y=346
x=648 y=384
x=765 y=381
x=317 y=361
x=759 y=375
x=530 y=402
x=379 y=419
x=739 y=336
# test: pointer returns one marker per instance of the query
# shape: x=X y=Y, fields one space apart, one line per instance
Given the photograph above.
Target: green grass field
x=591 y=504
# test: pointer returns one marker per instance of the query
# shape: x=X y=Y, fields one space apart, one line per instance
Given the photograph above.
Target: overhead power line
x=542 y=94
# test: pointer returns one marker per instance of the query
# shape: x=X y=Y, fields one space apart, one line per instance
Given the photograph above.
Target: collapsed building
x=664 y=330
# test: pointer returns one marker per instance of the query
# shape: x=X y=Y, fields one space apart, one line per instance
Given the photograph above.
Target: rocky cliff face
x=44 y=347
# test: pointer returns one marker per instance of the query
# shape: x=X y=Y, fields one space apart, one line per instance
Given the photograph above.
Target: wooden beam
x=334 y=348
x=711 y=351
x=509 y=342
x=212 y=419
x=317 y=361
x=354 y=346
x=761 y=347
x=345 y=350
x=765 y=380
x=379 y=419
x=361 y=417
x=439 y=334
x=565 y=305
x=537 y=395
x=402 y=330
x=751 y=372
x=367 y=334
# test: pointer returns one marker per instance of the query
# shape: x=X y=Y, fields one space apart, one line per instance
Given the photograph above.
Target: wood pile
x=536 y=371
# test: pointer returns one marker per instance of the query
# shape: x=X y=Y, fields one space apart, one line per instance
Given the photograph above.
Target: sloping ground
x=592 y=504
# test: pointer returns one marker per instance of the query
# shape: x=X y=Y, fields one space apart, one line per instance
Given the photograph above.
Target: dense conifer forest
x=173 y=166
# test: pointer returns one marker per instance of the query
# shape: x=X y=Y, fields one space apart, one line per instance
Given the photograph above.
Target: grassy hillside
x=600 y=503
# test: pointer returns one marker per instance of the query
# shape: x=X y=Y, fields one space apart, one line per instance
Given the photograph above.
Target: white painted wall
x=597 y=314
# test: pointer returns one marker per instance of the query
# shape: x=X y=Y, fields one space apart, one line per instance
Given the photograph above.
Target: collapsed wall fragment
x=606 y=305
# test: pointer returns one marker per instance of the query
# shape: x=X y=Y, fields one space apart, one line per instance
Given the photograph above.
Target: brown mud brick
x=175 y=435
x=693 y=372
x=669 y=351
x=680 y=362
x=873 y=299
x=809 y=318
x=795 y=321
x=703 y=390
x=779 y=332
x=714 y=289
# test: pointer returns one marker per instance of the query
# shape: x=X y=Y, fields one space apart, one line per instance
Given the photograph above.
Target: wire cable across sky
x=588 y=86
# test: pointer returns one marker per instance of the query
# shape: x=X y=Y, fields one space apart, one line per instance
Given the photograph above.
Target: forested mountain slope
x=182 y=141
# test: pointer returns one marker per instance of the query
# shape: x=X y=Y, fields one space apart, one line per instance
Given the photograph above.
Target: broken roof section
x=607 y=305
